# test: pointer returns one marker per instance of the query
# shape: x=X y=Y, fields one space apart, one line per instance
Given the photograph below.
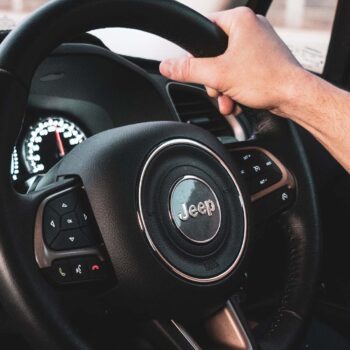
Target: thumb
x=189 y=69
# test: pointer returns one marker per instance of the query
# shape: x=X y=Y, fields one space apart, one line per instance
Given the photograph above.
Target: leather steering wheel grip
x=58 y=21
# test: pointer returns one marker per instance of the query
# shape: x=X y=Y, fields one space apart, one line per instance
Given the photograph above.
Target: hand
x=257 y=69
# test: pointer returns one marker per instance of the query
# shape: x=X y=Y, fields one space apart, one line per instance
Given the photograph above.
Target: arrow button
x=65 y=204
x=70 y=239
x=51 y=225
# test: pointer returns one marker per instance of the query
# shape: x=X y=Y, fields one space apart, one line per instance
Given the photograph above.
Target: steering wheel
x=162 y=218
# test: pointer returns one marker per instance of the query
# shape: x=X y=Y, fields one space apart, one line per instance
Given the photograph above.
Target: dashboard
x=75 y=94
x=82 y=89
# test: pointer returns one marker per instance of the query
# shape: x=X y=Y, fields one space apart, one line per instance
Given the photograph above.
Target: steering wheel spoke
x=170 y=335
x=226 y=329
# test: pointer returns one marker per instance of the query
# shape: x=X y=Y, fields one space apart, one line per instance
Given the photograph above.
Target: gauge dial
x=48 y=141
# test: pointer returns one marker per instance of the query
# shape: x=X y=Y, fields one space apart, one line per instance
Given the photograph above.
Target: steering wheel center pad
x=152 y=259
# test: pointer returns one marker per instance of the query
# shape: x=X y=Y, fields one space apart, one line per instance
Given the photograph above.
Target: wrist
x=297 y=85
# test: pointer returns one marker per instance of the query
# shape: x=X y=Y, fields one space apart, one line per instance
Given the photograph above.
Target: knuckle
x=246 y=16
x=212 y=92
x=182 y=70
x=185 y=69
x=188 y=67
x=245 y=12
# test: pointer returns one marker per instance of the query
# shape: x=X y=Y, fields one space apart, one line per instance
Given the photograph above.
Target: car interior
x=133 y=215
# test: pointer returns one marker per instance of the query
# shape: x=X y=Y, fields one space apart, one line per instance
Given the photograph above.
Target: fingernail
x=226 y=105
x=165 y=67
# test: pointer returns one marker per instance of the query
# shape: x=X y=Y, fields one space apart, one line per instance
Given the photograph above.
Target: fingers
x=204 y=71
x=210 y=72
x=226 y=105
x=212 y=92
x=199 y=71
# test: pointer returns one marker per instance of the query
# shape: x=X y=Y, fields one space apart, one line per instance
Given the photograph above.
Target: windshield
x=305 y=25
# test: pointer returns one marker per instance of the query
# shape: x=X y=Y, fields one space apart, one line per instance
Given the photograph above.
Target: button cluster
x=68 y=222
x=77 y=270
x=257 y=169
x=260 y=172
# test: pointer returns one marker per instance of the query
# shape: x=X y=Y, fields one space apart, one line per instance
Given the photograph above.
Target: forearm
x=324 y=110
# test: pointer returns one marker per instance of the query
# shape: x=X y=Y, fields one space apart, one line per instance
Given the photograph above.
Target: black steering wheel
x=163 y=219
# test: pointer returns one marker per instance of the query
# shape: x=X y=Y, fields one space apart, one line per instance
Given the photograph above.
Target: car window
x=305 y=26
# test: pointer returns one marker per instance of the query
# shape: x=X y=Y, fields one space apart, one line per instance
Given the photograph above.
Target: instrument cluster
x=42 y=144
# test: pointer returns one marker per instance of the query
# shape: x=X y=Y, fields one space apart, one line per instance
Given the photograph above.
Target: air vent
x=195 y=107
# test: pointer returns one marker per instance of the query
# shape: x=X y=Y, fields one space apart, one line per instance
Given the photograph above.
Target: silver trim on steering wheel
x=143 y=225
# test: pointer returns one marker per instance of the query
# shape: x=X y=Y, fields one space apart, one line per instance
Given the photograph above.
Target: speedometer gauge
x=49 y=140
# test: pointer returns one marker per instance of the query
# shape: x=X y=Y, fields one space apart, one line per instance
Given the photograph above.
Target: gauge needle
x=60 y=143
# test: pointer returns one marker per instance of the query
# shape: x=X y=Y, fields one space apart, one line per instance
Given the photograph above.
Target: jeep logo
x=202 y=208
x=195 y=210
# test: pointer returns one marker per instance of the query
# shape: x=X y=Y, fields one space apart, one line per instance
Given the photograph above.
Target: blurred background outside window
x=305 y=25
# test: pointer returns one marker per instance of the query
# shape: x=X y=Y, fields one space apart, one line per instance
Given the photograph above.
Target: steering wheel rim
x=20 y=54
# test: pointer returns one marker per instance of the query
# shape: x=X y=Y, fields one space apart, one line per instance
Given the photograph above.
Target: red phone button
x=96 y=269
